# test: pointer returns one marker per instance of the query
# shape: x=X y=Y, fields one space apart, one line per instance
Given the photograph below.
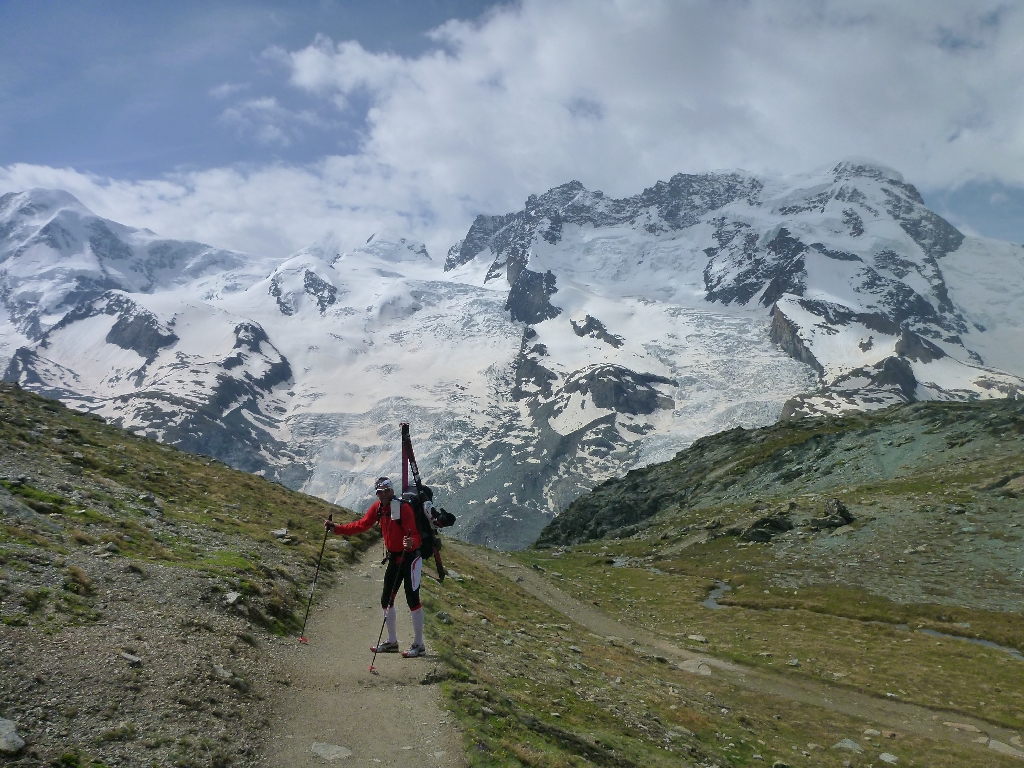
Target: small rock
x=793 y=662
x=280 y=533
x=221 y=673
x=849 y=744
x=1005 y=749
x=780 y=764
x=133 y=661
x=10 y=742
x=696 y=667
x=697 y=638
x=963 y=727
x=885 y=757
x=111 y=548
x=232 y=597
x=871 y=733
x=330 y=752
x=575 y=649
x=814 y=747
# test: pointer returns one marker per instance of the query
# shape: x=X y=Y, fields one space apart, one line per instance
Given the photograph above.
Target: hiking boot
x=414 y=651
x=391 y=647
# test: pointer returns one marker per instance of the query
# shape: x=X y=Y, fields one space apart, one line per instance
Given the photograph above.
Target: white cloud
x=226 y=90
x=614 y=93
x=270 y=124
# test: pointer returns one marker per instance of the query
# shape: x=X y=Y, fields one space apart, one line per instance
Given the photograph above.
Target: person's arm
x=361 y=525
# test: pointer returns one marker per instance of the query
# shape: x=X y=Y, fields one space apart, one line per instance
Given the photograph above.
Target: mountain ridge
x=555 y=347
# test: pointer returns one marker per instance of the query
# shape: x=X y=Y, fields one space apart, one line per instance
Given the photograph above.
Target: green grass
x=146 y=502
x=531 y=688
x=842 y=635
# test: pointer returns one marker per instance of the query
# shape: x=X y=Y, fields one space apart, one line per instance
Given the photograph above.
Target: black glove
x=328 y=526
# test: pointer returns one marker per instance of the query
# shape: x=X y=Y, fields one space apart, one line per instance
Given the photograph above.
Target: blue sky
x=263 y=126
x=135 y=89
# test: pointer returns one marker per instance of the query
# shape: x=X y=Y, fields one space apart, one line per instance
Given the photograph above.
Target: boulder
x=834 y=515
x=849 y=744
x=10 y=742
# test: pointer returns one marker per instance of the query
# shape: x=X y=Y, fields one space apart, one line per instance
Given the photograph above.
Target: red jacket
x=393 y=531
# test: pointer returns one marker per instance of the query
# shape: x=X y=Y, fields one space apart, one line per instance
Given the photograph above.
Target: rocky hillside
x=904 y=502
x=145 y=594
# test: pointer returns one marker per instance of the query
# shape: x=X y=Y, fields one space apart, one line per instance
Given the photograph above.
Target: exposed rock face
x=785 y=333
x=595 y=329
x=616 y=388
x=528 y=300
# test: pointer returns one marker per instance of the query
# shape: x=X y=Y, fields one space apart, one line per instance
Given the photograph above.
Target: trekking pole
x=302 y=637
x=391 y=604
x=373 y=669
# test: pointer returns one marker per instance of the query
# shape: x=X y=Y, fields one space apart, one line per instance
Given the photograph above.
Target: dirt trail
x=882 y=713
x=336 y=712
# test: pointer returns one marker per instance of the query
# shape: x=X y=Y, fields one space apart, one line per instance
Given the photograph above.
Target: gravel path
x=336 y=712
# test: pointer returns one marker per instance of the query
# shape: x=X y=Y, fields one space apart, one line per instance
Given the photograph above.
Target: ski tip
x=303 y=641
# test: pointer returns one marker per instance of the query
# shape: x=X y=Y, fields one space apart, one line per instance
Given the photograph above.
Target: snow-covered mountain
x=555 y=347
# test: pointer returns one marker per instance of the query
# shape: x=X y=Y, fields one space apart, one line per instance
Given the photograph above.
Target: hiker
x=402 y=542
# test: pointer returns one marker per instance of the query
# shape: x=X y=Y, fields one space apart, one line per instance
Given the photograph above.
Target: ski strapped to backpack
x=421 y=499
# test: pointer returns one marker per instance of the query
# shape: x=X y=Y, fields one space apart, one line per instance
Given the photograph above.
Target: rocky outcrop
x=529 y=298
x=619 y=389
x=834 y=514
x=766 y=528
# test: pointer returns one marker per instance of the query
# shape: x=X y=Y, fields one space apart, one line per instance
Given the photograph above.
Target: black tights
x=399 y=572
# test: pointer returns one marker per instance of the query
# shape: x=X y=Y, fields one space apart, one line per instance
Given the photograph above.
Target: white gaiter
x=391 y=619
x=417 y=626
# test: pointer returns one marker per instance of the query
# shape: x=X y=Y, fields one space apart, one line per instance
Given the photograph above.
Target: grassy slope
x=532 y=688
x=104 y=486
x=90 y=510
x=935 y=492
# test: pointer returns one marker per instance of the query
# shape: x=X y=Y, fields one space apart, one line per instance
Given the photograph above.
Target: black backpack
x=429 y=540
